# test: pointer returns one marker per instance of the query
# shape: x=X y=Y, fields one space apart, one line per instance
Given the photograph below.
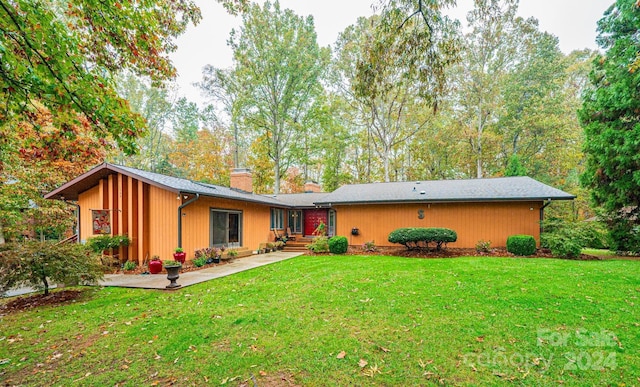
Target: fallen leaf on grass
x=480 y=339
x=341 y=355
x=363 y=363
x=262 y=373
x=383 y=349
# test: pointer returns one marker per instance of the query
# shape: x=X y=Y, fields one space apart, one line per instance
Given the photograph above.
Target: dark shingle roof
x=308 y=199
x=71 y=189
x=472 y=190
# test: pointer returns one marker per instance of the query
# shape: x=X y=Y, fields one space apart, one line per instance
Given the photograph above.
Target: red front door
x=312 y=218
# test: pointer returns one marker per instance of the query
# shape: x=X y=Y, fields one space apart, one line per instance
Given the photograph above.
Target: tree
x=38 y=264
x=62 y=56
x=490 y=50
x=156 y=106
x=222 y=86
x=44 y=157
x=390 y=83
x=515 y=168
x=65 y=53
x=611 y=122
x=279 y=61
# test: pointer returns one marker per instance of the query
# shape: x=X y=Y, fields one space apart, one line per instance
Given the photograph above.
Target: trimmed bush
x=338 y=244
x=420 y=237
x=521 y=245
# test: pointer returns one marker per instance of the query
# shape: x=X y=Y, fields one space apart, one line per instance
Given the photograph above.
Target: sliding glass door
x=226 y=228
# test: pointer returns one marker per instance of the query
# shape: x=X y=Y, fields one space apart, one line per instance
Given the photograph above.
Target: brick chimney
x=312 y=186
x=242 y=179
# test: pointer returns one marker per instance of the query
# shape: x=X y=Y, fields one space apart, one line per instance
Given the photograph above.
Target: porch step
x=297 y=245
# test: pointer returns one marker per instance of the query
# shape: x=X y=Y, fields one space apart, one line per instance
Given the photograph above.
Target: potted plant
x=271 y=247
x=173 y=273
x=215 y=254
x=179 y=255
x=155 y=265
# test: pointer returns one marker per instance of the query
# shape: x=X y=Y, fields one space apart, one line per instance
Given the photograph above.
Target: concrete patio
x=159 y=281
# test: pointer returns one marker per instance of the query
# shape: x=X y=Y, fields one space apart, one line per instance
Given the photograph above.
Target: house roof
x=72 y=189
x=301 y=200
x=519 y=188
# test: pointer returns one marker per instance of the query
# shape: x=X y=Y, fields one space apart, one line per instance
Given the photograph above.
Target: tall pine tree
x=611 y=118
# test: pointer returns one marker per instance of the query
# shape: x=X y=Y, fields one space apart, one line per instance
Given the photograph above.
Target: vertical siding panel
x=88 y=200
x=163 y=222
x=124 y=206
x=133 y=224
x=196 y=226
x=472 y=221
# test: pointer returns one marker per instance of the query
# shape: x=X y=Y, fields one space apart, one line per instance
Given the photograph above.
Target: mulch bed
x=55 y=297
x=453 y=252
x=186 y=267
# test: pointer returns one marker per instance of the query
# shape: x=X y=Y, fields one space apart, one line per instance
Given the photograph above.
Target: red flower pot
x=155 y=267
x=180 y=257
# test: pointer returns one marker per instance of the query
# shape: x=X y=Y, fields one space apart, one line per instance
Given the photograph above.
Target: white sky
x=572 y=21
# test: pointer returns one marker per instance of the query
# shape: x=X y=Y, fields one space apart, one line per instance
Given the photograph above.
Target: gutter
x=180 y=216
x=545 y=205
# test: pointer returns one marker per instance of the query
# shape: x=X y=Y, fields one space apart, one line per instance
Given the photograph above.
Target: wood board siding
x=88 y=200
x=196 y=223
x=490 y=221
x=163 y=222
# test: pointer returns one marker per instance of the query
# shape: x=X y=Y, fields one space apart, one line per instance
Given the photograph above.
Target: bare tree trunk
x=2 y=241
x=276 y=183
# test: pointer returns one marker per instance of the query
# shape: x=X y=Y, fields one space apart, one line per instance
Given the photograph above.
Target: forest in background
x=402 y=95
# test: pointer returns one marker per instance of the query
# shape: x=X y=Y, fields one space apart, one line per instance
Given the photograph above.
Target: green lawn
x=397 y=321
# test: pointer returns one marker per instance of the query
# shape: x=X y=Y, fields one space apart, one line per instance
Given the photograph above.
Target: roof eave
x=463 y=200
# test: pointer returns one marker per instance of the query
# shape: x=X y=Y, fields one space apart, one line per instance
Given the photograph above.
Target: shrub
x=420 y=237
x=129 y=265
x=101 y=243
x=369 y=246
x=37 y=263
x=567 y=239
x=521 y=245
x=338 y=244
x=200 y=261
x=319 y=245
x=483 y=246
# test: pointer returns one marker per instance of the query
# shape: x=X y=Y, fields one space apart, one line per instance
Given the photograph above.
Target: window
x=332 y=223
x=295 y=221
x=277 y=218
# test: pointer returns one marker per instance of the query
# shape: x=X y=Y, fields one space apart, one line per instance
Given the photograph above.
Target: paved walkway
x=160 y=281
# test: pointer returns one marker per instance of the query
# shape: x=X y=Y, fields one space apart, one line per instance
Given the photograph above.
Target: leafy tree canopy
x=64 y=53
x=611 y=121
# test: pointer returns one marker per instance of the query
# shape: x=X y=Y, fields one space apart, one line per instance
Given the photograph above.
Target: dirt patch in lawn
x=21 y=303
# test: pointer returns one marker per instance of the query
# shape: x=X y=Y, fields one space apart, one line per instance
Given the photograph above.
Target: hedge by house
x=338 y=244
x=521 y=245
x=421 y=237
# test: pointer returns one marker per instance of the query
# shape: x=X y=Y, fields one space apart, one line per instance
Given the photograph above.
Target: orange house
x=160 y=213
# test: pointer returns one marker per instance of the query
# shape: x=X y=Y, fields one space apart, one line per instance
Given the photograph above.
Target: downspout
x=542 y=214
x=77 y=206
x=180 y=216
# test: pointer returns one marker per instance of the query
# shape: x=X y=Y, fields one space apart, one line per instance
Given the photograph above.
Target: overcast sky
x=572 y=21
